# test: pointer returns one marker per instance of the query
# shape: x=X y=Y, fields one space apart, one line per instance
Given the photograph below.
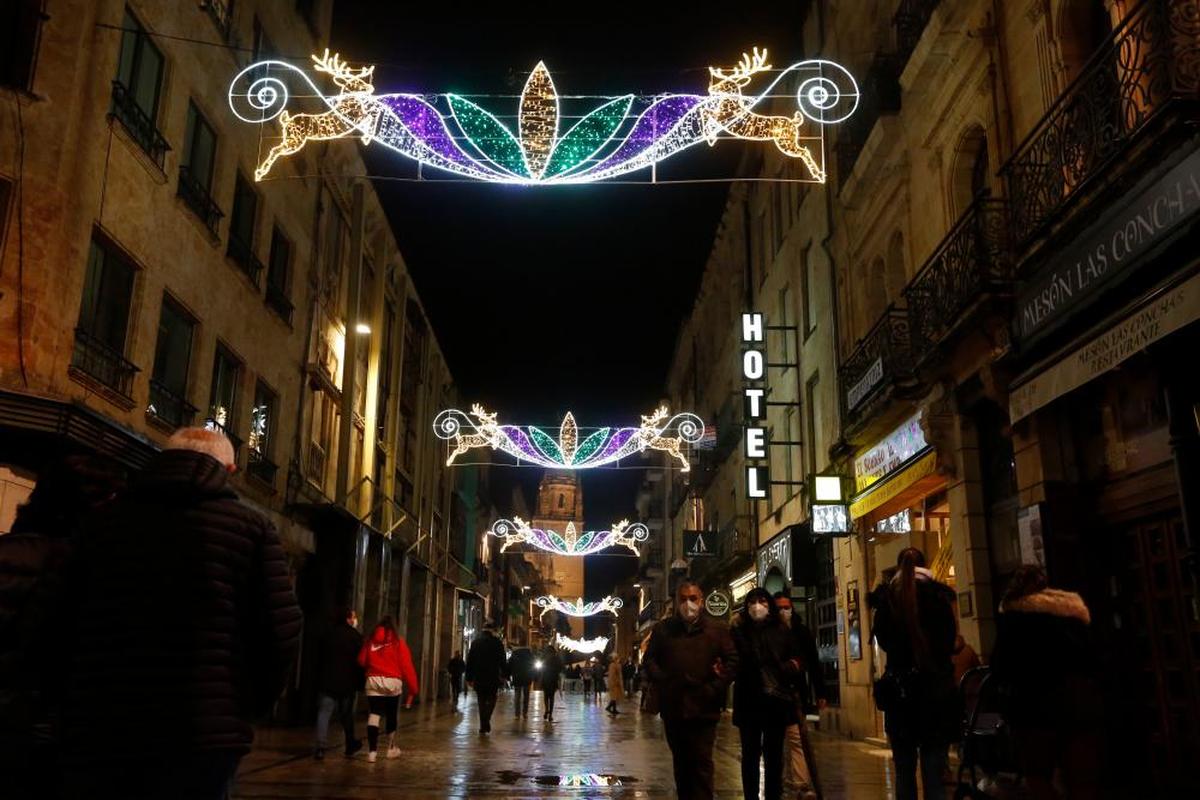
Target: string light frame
x=570 y=543
x=623 y=134
x=579 y=608
x=606 y=446
x=597 y=645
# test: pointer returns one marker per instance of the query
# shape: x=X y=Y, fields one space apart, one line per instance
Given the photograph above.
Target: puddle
x=576 y=780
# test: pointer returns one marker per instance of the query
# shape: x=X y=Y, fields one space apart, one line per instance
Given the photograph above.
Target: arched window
x=971 y=174
x=897 y=273
x=562 y=500
x=1083 y=26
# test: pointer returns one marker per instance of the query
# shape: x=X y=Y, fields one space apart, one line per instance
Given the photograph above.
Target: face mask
x=689 y=610
x=785 y=614
x=758 y=612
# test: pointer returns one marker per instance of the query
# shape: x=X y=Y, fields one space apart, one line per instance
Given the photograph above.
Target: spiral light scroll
x=828 y=97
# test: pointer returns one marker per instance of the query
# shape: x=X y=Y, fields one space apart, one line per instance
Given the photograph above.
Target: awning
x=912 y=480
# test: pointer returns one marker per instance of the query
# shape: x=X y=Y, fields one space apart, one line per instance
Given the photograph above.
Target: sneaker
x=319 y=754
x=353 y=747
x=393 y=752
x=371 y=756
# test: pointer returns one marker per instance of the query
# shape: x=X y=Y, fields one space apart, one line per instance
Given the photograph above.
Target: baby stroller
x=986 y=758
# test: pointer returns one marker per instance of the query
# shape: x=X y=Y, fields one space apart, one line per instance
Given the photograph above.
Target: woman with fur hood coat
x=1044 y=665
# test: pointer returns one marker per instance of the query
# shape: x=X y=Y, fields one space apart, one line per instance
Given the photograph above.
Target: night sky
x=552 y=299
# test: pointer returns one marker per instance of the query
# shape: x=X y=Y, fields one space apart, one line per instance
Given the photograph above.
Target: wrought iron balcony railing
x=882 y=358
x=880 y=94
x=1148 y=64
x=278 y=301
x=910 y=20
x=213 y=425
x=196 y=195
x=170 y=407
x=261 y=467
x=971 y=262
x=243 y=255
x=99 y=361
x=141 y=127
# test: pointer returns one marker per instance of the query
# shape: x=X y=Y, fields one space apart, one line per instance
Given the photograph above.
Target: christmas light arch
x=597 y=645
x=570 y=542
x=621 y=135
x=579 y=608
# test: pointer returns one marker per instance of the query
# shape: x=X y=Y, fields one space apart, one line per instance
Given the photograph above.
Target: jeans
x=691 y=743
x=327 y=706
x=521 y=698
x=487 y=704
x=762 y=742
x=933 y=758
x=799 y=755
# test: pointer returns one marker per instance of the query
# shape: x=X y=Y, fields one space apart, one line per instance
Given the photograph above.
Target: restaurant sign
x=890 y=453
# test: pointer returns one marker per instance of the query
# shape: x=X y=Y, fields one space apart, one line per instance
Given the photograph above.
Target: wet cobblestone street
x=443 y=755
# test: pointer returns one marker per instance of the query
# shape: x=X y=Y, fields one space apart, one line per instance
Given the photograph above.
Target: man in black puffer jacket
x=183 y=630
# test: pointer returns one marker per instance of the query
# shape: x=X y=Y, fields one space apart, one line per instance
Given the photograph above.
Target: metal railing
x=278 y=302
x=169 y=406
x=1149 y=63
x=880 y=94
x=972 y=261
x=910 y=21
x=316 y=463
x=97 y=360
x=213 y=425
x=243 y=255
x=261 y=467
x=141 y=127
x=882 y=358
x=196 y=196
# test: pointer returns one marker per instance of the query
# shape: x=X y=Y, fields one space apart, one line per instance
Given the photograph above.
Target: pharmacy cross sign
x=551 y=138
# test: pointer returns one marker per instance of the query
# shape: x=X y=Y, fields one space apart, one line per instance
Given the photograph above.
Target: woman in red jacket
x=389 y=667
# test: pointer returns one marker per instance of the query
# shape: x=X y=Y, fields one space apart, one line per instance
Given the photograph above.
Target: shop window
x=20 y=27
x=172 y=363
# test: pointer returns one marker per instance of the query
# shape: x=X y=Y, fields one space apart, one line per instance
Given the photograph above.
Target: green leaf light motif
x=583 y=541
x=588 y=136
x=545 y=442
x=488 y=135
x=588 y=447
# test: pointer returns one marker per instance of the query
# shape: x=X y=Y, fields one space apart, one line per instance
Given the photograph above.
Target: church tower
x=560 y=503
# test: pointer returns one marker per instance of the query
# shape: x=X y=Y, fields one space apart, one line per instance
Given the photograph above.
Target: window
x=196 y=169
x=791 y=434
x=785 y=319
x=100 y=337
x=136 y=88
x=262 y=432
x=278 y=275
x=813 y=420
x=760 y=248
x=223 y=394
x=324 y=423
x=562 y=501
x=810 y=288
x=172 y=361
x=221 y=13
x=383 y=392
x=241 y=228
x=20 y=24
x=335 y=237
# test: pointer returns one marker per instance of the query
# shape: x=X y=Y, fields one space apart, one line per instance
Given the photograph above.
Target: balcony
x=213 y=425
x=169 y=407
x=97 y=360
x=1150 y=65
x=141 y=128
x=910 y=21
x=316 y=463
x=879 y=95
x=261 y=468
x=881 y=361
x=277 y=301
x=243 y=255
x=195 y=195
x=971 y=263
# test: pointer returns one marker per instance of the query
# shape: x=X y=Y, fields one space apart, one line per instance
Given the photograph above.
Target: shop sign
x=923 y=466
x=776 y=553
x=865 y=384
x=698 y=544
x=890 y=453
x=740 y=586
x=830 y=518
x=1165 y=314
x=900 y=522
x=1109 y=248
x=717 y=604
x=754 y=370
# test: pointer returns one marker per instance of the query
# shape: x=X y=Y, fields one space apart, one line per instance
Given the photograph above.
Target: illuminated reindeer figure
x=352 y=109
x=486 y=435
x=652 y=438
x=734 y=112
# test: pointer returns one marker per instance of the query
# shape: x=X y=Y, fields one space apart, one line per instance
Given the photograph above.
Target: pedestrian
x=585 y=674
x=520 y=670
x=914 y=624
x=34 y=559
x=764 y=691
x=598 y=673
x=690 y=661
x=1044 y=665
x=798 y=753
x=456 y=668
x=339 y=677
x=485 y=668
x=389 y=666
x=616 y=687
x=627 y=673
x=183 y=630
x=549 y=675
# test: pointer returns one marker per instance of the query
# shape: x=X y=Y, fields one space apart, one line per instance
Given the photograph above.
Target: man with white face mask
x=690 y=660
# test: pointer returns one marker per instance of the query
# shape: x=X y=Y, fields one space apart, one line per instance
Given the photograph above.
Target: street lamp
x=363 y=328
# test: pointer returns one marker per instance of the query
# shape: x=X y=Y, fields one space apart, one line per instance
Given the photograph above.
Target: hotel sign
x=754 y=371
x=1109 y=248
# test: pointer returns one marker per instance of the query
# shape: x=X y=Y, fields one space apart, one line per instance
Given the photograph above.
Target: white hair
x=202 y=440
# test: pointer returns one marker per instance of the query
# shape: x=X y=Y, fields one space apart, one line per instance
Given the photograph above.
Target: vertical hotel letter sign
x=754 y=371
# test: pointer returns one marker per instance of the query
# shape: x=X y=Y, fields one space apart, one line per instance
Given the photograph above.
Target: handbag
x=893 y=690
